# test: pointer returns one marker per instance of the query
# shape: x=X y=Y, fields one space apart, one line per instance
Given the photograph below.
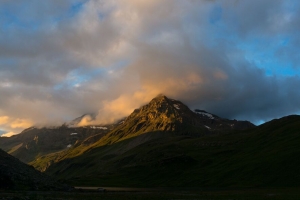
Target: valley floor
x=161 y=194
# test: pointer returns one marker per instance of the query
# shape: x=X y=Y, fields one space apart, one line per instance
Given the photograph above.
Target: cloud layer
x=62 y=59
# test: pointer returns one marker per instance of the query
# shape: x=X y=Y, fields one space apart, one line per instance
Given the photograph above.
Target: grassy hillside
x=263 y=156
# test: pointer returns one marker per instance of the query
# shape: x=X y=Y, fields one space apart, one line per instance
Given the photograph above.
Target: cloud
x=15 y=124
x=20 y=123
x=3 y=119
x=8 y=134
x=59 y=60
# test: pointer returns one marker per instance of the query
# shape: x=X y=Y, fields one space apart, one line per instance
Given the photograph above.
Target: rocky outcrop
x=163 y=114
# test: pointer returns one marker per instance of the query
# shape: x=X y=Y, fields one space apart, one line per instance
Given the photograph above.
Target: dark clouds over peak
x=62 y=59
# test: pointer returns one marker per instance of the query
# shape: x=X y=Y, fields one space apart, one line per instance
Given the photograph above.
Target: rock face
x=168 y=115
x=15 y=175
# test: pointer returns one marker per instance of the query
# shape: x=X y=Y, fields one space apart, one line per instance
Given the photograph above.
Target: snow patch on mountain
x=210 y=116
x=207 y=127
x=176 y=106
x=98 y=127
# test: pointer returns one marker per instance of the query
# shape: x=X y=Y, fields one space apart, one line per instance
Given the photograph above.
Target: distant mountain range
x=164 y=143
x=34 y=142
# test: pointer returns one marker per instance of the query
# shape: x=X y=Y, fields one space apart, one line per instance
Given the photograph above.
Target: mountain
x=170 y=116
x=35 y=142
x=264 y=156
x=163 y=119
x=165 y=144
x=15 y=175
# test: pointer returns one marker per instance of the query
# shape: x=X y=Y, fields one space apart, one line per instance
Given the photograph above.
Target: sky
x=59 y=60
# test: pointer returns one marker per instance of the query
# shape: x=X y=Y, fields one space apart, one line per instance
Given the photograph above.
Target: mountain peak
x=162 y=102
x=160 y=98
x=161 y=107
x=163 y=114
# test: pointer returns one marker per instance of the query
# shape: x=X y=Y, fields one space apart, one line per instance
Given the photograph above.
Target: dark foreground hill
x=15 y=175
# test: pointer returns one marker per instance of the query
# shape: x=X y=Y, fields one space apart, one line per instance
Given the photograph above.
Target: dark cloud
x=61 y=59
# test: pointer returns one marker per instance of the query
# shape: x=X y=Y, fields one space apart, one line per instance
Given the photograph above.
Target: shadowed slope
x=19 y=176
x=266 y=156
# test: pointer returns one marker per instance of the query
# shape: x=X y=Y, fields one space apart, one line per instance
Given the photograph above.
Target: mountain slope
x=161 y=117
x=15 y=175
x=265 y=156
x=35 y=142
